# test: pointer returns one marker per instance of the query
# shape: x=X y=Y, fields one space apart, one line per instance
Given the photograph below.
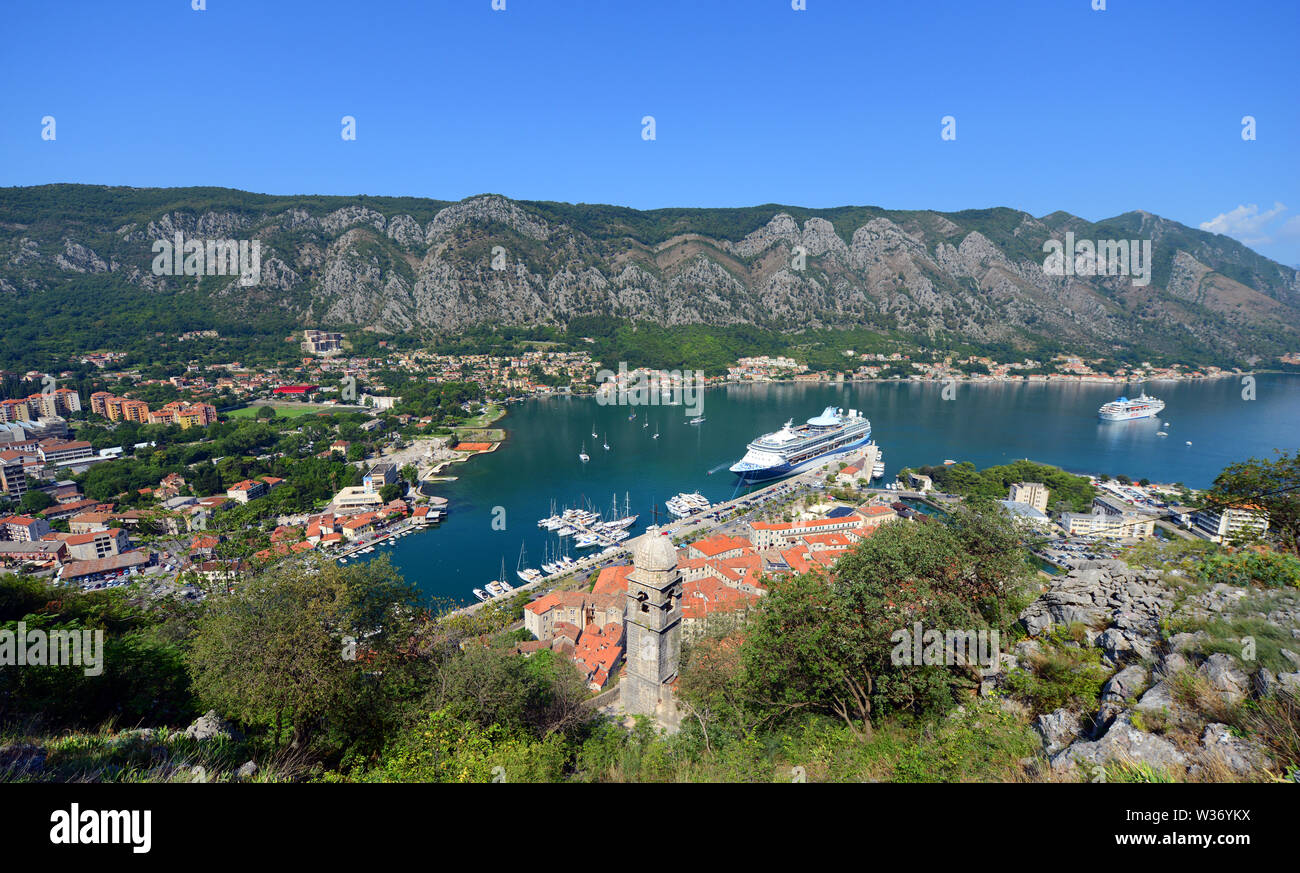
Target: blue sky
x=1057 y=106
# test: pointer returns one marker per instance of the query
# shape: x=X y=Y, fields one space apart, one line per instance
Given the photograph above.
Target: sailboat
x=594 y=435
x=644 y=426
x=656 y=436
x=527 y=574
x=582 y=455
x=607 y=442
x=632 y=417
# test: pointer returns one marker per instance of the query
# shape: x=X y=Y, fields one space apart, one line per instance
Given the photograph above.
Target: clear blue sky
x=1057 y=106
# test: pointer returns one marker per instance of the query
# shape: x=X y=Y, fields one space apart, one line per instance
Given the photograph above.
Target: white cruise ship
x=1125 y=409
x=794 y=448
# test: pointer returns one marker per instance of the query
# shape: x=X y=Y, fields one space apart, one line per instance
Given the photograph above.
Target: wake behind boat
x=794 y=448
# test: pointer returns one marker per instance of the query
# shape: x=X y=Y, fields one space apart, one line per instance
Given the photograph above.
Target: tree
x=391 y=492
x=410 y=473
x=827 y=642
x=34 y=501
x=1261 y=483
x=298 y=647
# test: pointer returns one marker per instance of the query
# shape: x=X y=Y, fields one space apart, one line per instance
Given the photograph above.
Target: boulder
x=1171 y=663
x=1058 y=729
x=1225 y=677
x=1125 y=684
x=1158 y=699
x=1239 y=755
x=211 y=726
x=246 y=770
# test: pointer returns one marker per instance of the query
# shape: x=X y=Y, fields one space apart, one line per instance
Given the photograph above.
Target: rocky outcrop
x=1122 y=743
x=1126 y=602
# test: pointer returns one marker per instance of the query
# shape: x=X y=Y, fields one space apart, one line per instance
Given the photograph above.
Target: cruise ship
x=1125 y=409
x=795 y=448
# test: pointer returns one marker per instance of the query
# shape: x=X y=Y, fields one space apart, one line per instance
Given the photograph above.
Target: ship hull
x=1129 y=416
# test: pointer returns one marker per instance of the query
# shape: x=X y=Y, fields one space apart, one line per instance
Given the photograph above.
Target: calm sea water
x=913 y=424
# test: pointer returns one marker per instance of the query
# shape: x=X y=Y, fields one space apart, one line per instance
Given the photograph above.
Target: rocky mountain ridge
x=400 y=264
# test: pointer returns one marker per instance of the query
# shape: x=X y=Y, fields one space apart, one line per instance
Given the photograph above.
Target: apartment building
x=320 y=342
x=97 y=544
x=1033 y=493
x=22 y=529
x=1220 y=525
x=57 y=451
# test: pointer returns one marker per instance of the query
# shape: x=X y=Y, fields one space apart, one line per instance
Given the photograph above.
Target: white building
x=1220 y=525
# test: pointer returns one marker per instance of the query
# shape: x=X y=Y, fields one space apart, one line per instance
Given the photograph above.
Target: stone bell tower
x=653 y=616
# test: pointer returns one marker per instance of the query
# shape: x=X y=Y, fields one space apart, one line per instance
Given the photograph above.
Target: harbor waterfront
x=497 y=498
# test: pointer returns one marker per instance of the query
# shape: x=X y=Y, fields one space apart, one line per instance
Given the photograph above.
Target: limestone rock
x=1123 y=743
x=1058 y=729
x=1225 y=677
x=1241 y=756
x=211 y=726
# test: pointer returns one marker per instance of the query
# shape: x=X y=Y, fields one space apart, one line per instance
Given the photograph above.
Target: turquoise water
x=985 y=424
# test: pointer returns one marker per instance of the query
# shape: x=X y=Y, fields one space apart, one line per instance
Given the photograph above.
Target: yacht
x=582 y=455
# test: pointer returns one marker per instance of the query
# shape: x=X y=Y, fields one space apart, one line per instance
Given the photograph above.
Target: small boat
x=699 y=419
x=1189 y=442
x=607 y=443
x=1161 y=433
x=478 y=592
x=343 y=560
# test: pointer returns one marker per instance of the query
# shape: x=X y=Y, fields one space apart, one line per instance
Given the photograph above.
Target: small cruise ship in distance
x=1125 y=409
x=794 y=448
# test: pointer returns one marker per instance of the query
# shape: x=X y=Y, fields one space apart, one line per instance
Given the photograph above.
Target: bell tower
x=653 y=616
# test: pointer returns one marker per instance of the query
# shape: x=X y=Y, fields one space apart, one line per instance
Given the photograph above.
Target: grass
x=484 y=418
x=294 y=410
x=130 y=756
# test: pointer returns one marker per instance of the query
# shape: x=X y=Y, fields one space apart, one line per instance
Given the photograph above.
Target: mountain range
x=79 y=259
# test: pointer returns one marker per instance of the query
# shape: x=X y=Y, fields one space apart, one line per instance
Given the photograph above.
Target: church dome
x=654 y=550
